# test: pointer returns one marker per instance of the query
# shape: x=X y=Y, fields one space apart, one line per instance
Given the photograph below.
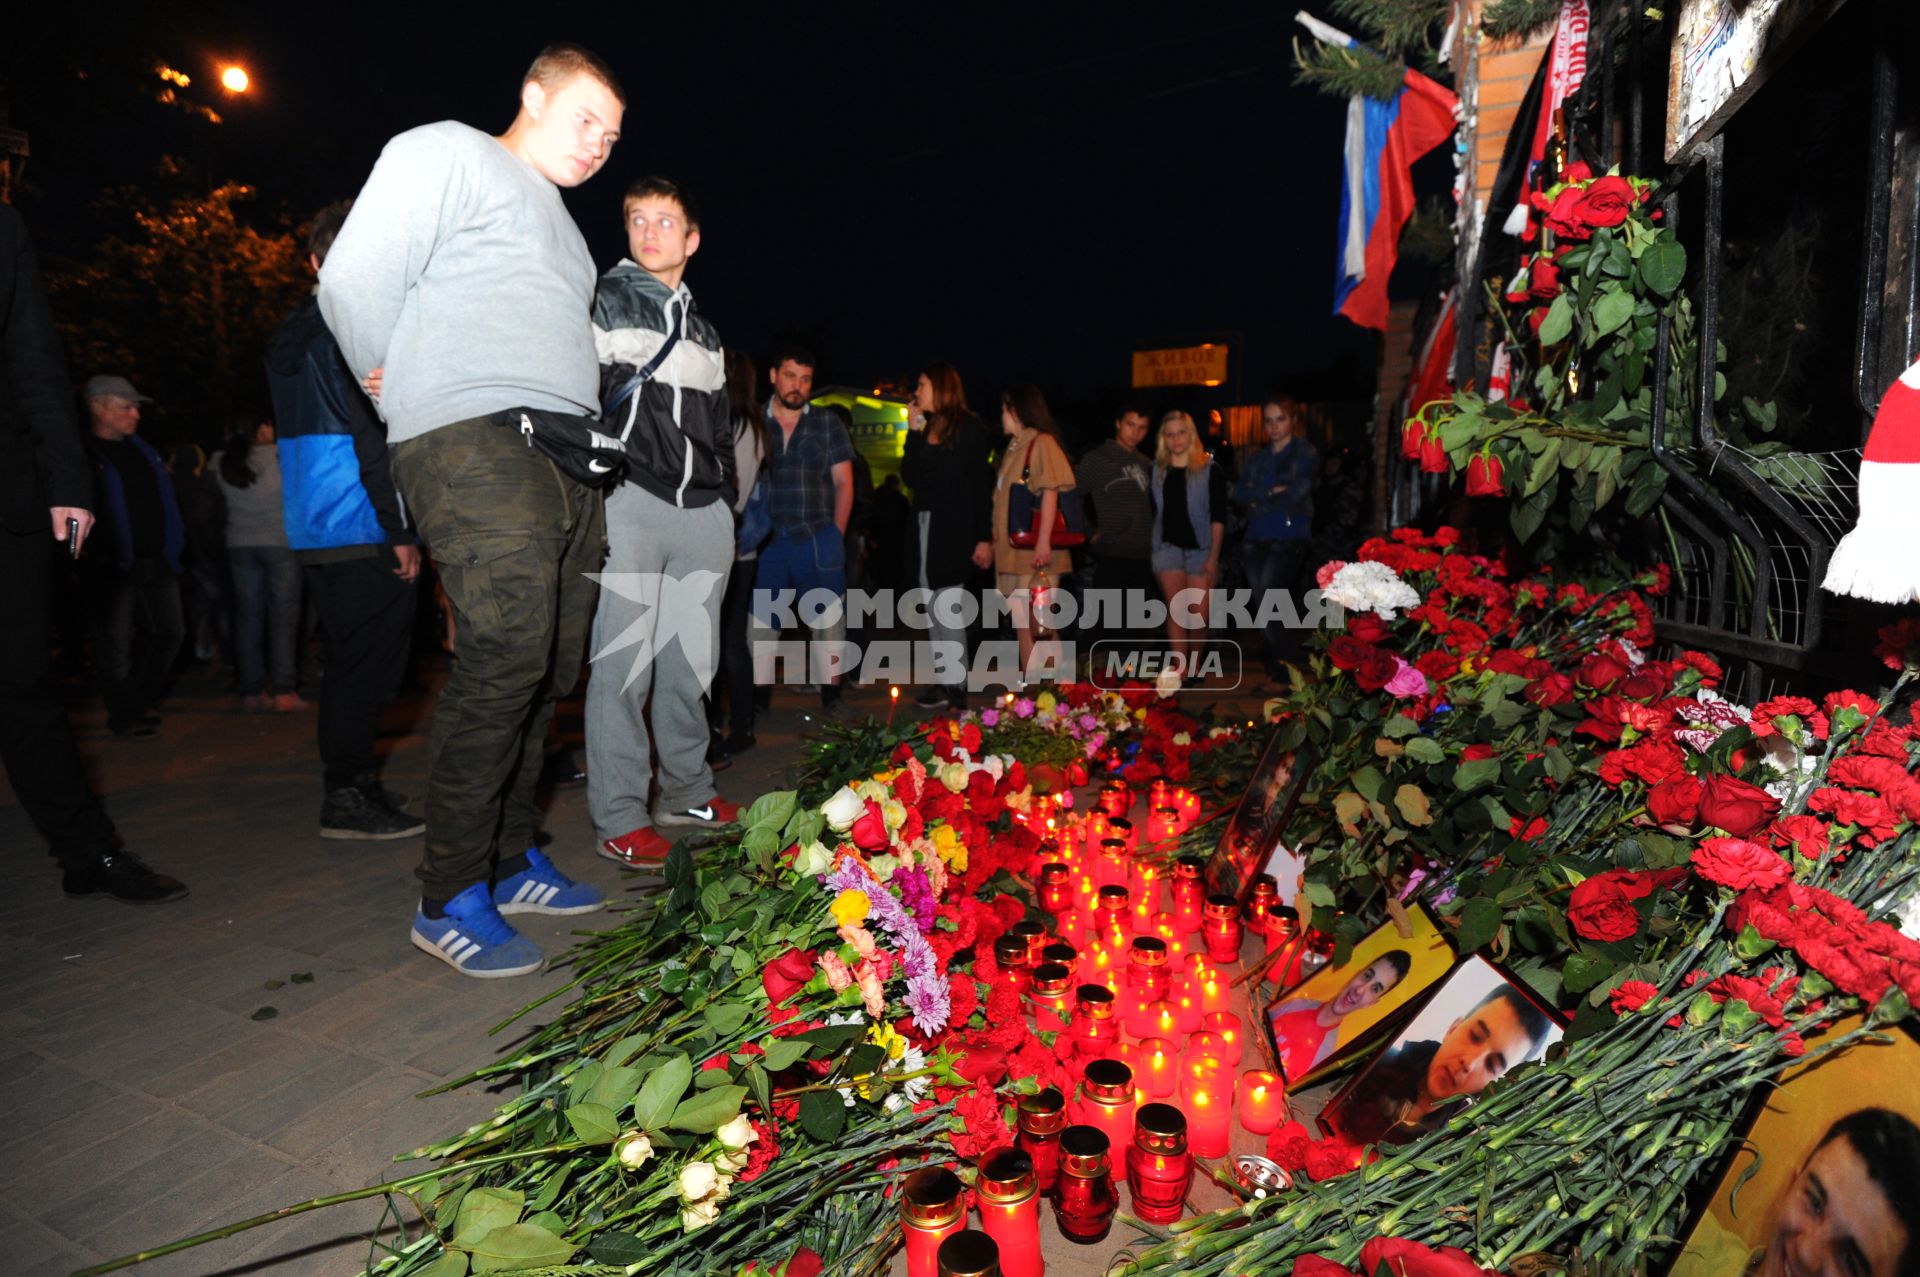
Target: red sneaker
x=713 y=813
x=642 y=849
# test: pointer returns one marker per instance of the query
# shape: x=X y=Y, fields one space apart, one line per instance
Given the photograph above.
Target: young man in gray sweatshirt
x=461 y=289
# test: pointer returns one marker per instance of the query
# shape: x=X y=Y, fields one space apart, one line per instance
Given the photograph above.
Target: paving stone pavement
x=154 y=1086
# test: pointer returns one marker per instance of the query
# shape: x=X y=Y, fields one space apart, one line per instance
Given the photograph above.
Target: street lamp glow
x=234 y=79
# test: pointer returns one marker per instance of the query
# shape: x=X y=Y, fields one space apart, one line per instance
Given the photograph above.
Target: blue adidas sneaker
x=474 y=939
x=542 y=888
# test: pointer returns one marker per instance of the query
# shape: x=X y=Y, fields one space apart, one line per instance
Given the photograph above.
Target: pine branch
x=1428 y=236
x=1395 y=26
x=1504 y=18
x=1345 y=72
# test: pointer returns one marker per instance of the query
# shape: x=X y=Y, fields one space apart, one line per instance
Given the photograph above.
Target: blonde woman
x=1032 y=447
x=1189 y=524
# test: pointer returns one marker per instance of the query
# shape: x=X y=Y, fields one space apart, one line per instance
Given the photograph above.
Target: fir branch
x=1345 y=72
x=1395 y=26
x=1428 y=236
x=1504 y=18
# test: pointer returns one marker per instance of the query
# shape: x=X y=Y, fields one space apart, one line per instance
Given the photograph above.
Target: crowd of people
x=585 y=468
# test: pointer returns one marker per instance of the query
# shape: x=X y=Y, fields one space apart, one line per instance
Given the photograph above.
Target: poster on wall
x=1251 y=844
x=1722 y=51
x=1827 y=1179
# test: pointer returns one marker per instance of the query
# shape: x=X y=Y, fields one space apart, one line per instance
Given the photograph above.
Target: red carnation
x=1333 y=1157
x=1554 y=689
x=1600 y=672
x=1288 y=1146
x=1632 y=995
x=1741 y=809
x=1737 y=863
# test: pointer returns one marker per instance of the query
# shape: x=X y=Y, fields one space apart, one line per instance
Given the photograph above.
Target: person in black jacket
x=345 y=527
x=46 y=487
x=951 y=536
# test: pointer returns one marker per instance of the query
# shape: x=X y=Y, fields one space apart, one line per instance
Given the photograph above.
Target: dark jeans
x=366 y=624
x=513 y=540
x=266 y=616
x=1274 y=565
x=736 y=654
x=36 y=744
x=1134 y=579
x=133 y=674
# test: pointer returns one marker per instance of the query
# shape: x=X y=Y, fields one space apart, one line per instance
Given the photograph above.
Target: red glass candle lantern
x=1010 y=955
x=1122 y=828
x=1056 y=887
x=1093 y=1022
x=1035 y=936
x=1163 y=825
x=1115 y=799
x=933 y=1207
x=1283 y=929
x=1109 y=1100
x=1084 y=1199
x=1159 y=794
x=1115 y=866
x=1060 y=953
x=1206 y=1097
x=969 y=1254
x=1227 y=1030
x=1043 y=1116
x=1158 y=1075
x=1261 y=904
x=1147 y=967
x=1050 y=998
x=1093 y=831
x=1159 y=1166
x=1263 y=1101
x=1112 y=910
x=1222 y=929
x=1189 y=892
x=1010 y=1210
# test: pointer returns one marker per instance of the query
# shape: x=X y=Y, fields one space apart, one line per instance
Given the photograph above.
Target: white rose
x=698 y=1215
x=698 y=1180
x=733 y=1163
x=633 y=1149
x=738 y=1133
x=843 y=809
x=954 y=777
x=812 y=860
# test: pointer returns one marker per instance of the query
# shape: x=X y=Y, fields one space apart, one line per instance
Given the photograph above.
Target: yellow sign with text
x=1204 y=365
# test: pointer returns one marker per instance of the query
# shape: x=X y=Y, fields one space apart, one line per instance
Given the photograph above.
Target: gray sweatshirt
x=461 y=274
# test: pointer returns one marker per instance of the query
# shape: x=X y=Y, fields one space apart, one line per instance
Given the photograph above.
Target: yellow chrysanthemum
x=850 y=908
x=1044 y=703
x=888 y=1039
x=952 y=852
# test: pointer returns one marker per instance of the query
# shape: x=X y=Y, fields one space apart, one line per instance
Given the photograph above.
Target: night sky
x=1026 y=193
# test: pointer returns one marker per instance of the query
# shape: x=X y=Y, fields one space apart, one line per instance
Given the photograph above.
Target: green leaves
x=1558 y=323
x=519 y=1246
x=485 y=1209
x=708 y=1110
x=1425 y=749
x=1474 y=773
x=661 y=1092
x=593 y=1123
x=1412 y=805
x=1663 y=264
x=823 y=1114
x=1479 y=924
x=1614 y=308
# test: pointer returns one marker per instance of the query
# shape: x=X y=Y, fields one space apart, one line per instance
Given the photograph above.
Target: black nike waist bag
x=573 y=443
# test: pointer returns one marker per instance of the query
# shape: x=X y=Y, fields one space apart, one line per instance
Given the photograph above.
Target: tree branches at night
x=1505 y=18
x=1390 y=32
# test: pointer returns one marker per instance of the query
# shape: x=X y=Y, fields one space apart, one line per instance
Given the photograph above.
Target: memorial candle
x=1222 y=928
x=1115 y=867
x=1187 y=1011
x=1122 y=828
x=1050 y=999
x=1163 y=1023
x=1147 y=967
x=1226 y=1028
x=1263 y=1101
x=1189 y=892
x=933 y=1207
x=1162 y=825
x=1155 y=1057
x=1187 y=803
x=1084 y=1199
x=1159 y=794
x=1010 y=955
x=1056 y=888
x=1205 y=1044
x=1107 y=1090
x=1009 y=1200
x=1138 y=1012
x=1209 y=1110
x=1112 y=911
x=1115 y=799
x=1263 y=902
x=1096 y=829
x=1060 y=953
x=1159 y=1164
x=1093 y=1026
x=1035 y=936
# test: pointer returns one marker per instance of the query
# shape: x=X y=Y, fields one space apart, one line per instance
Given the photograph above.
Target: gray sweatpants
x=657 y=632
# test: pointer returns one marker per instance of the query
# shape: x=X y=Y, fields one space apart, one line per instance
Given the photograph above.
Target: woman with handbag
x=752 y=527
x=1028 y=553
x=1189 y=525
x=945 y=465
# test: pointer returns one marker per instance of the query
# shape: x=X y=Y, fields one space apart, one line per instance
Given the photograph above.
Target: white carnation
x=1371 y=587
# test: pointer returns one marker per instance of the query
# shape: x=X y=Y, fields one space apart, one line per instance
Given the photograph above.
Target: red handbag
x=1024 y=532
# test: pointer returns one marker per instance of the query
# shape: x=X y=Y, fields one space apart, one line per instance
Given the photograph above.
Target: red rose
x=1375 y=671
x=1601 y=908
x=1486 y=476
x=970 y=738
x=804 y=1263
x=1315 y=1266
x=1475 y=752
x=1543 y=282
x=1632 y=995
x=1606 y=201
x=1411 y=1259
x=786 y=975
x=1366 y=627
x=870 y=831
x=983 y=1063
x=1600 y=672
x=1644 y=684
x=1554 y=689
x=1410 y=436
x=1737 y=863
x=1433 y=457
x=1527 y=830
x=1347 y=652
x=1741 y=809
x=1675 y=801
x=1564 y=213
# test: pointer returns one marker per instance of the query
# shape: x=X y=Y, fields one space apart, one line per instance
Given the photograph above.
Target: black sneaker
x=370 y=784
x=719 y=757
x=562 y=771
x=125 y=877
x=358 y=814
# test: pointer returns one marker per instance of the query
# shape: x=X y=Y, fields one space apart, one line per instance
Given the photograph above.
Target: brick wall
x=1492 y=77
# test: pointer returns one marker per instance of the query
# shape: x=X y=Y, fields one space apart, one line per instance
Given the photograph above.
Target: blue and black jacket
x=339 y=495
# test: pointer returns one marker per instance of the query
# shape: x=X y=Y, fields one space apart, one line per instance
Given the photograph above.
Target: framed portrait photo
x=1477 y=1025
x=1337 y=1010
x=1250 y=845
x=1827 y=1179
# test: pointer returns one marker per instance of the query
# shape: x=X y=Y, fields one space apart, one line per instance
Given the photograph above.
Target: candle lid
x=1096 y=1000
x=1260 y=1177
x=1285 y=919
x=1084 y=1151
x=1122 y=824
x=1147 y=951
x=1027 y=929
x=1188 y=867
x=1113 y=897
x=1113 y=846
x=1265 y=888
x=1051 y=979
x=1060 y=952
x=1010 y=951
x=1109 y=1080
x=1044 y=1112
x=1219 y=906
x=1053 y=873
x=933 y=1198
x=969 y=1254
x=1160 y=1128
x=1006 y=1176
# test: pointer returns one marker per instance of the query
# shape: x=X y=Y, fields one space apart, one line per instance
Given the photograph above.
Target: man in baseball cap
x=134 y=563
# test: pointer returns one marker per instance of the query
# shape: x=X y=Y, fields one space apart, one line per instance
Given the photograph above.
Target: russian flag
x=1383 y=141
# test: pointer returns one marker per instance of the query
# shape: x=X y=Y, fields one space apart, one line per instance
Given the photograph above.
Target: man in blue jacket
x=134 y=567
x=346 y=527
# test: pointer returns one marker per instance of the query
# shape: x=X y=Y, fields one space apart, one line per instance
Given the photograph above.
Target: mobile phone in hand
x=73 y=537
